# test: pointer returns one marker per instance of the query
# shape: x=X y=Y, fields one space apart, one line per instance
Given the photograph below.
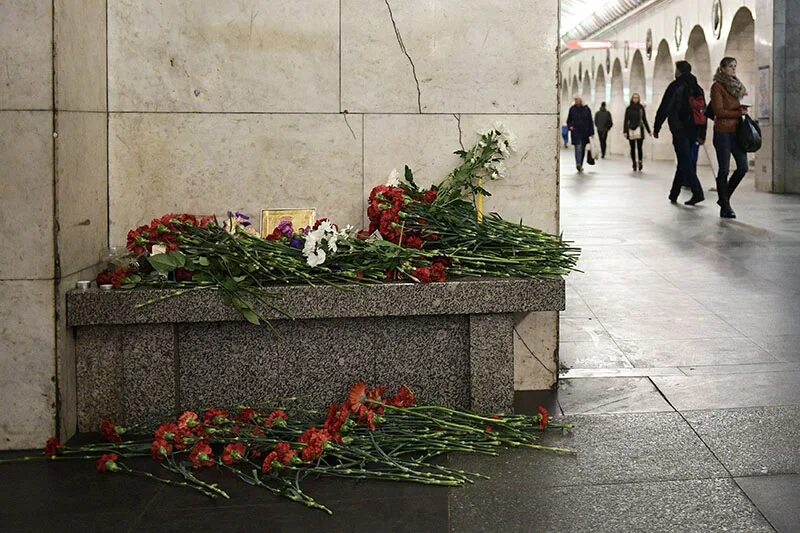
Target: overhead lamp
x=588 y=45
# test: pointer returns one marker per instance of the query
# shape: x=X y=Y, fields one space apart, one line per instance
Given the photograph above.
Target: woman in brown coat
x=726 y=95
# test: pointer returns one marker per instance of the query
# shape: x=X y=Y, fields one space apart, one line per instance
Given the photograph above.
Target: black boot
x=634 y=166
x=723 y=202
x=736 y=179
x=695 y=199
x=640 y=166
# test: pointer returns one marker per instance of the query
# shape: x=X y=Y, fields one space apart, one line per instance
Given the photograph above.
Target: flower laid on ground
x=370 y=435
x=422 y=235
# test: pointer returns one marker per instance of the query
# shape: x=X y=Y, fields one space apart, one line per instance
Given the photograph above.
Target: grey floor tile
x=671 y=327
x=581 y=329
x=752 y=441
x=769 y=323
x=784 y=347
x=610 y=395
x=741 y=369
x=621 y=448
x=599 y=353
x=694 y=352
x=731 y=390
x=697 y=506
x=778 y=499
x=620 y=372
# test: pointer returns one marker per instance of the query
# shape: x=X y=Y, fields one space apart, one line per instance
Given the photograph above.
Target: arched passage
x=697 y=54
x=586 y=91
x=663 y=74
x=616 y=141
x=638 y=81
x=565 y=100
x=600 y=87
x=741 y=45
x=575 y=88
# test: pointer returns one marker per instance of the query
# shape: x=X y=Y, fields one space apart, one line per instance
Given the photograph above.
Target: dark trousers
x=727 y=145
x=580 y=152
x=636 y=143
x=603 y=134
x=685 y=151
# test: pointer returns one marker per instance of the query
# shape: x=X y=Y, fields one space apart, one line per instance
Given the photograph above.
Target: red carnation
x=356 y=396
x=266 y=467
x=109 y=431
x=414 y=241
x=276 y=418
x=247 y=415
x=430 y=196
x=182 y=274
x=216 y=417
x=285 y=453
x=108 y=463
x=423 y=274
x=403 y=398
x=544 y=418
x=489 y=429
x=188 y=420
x=52 y=446
x=277 y=235
x=438 y=271
x=206 y=220
x=103 y=278
x=201 y=455
x=160 y=449
x=167 y=431
x=233 y=453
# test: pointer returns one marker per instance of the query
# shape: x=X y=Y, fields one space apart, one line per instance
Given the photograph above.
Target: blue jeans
x=686 y=151
x=580 y=152
x=727 y=145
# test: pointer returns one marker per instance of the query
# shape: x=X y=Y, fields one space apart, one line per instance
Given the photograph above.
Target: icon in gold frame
x=300 y=218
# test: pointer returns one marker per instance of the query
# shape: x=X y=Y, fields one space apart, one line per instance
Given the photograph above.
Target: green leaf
x=202 y=261
x=168 y=262
x=250 y=315
x=410 y=177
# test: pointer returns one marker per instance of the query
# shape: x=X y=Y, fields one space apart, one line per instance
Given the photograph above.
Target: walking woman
x=634 y=125
x=726 y=96
x=581 y=127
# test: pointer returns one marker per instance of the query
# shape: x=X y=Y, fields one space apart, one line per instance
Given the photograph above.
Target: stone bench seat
x=452 y=343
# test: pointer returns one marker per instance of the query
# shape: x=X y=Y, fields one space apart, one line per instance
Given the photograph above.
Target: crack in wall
x=344 y=114
x=405 y=52
x=460 y=134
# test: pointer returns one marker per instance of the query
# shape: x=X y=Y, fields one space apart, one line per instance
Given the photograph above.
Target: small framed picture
x=300 y=218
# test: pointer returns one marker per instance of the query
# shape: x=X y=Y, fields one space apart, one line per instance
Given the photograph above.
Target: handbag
x=634 y=134
x=748 y=134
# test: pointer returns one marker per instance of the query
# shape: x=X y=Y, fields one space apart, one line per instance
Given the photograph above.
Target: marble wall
x=114 y=112
x=53 y=202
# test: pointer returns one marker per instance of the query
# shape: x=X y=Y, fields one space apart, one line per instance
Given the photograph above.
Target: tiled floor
x=681 y=371
x=684 y=312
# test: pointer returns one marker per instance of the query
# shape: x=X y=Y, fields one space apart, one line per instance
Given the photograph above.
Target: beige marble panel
x=426 y=144
x=207 y=55
x=535 y=351
x=26 y=56
x=82 y=189
x=204 y=163
x=467 y=57
x=65 y=355
x=80 y=58
x=26 y=194
x=27 y=370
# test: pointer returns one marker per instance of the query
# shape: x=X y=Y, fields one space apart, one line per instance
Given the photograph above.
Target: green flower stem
x=200 y=488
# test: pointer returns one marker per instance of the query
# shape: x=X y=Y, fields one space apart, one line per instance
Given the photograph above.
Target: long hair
x=726 y=61
x=636 y=103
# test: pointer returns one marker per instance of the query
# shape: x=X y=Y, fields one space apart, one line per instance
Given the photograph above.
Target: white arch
x=698 y=55
x=663 y=74
x=586 y=90
x=741 y=45
x=638 y=81
x=600 y=87
x=616 y=141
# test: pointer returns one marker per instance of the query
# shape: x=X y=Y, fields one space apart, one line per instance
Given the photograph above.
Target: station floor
x=680 y=367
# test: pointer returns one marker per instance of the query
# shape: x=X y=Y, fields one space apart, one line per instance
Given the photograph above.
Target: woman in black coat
x=634 y=126
x=581 y=127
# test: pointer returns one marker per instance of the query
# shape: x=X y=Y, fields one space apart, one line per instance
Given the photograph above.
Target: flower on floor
x=202 y=455
x=544 y=418
x=111 y=432
x=234 y=453
x=160 y=449
x=52 y=447
x=108 y=463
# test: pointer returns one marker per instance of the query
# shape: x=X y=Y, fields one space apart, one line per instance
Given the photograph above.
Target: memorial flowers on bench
x=415 y=234
x=369 y=435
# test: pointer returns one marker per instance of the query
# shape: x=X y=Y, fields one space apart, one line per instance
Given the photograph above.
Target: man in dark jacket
x=581 y=127
x=603 y=123
x=686 y=135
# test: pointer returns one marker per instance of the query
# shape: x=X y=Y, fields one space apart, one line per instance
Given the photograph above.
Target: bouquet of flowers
x=370 y=435
x=418 y=235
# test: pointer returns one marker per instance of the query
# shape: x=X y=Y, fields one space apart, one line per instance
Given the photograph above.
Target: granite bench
x=452 y=343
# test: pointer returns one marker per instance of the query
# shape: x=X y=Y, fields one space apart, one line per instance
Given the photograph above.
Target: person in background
x=581 y=127
x=565 y=134
x=676 y=110
x=633 y=127
x=726 y=103
x=603 y=123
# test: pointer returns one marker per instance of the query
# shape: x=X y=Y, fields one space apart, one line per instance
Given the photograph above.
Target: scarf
x=731 y=83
